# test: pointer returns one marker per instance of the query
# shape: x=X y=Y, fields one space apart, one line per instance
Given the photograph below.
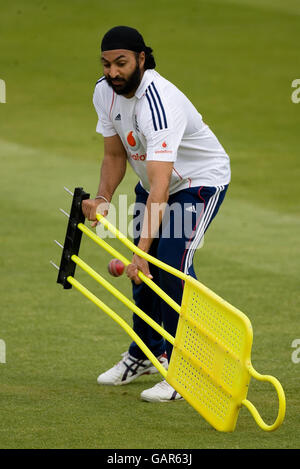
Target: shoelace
x=124 y=356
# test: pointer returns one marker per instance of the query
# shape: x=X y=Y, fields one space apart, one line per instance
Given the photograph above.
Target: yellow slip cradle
x=211 y=359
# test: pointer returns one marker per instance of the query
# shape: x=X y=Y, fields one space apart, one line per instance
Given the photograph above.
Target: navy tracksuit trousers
x=182 y=229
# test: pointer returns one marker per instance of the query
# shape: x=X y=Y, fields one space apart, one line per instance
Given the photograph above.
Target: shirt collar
x=146 y=80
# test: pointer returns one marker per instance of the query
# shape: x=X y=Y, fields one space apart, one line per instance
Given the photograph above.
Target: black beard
x=125 y=87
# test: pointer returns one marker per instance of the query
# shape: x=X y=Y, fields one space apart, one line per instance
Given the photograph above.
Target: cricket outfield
x=236 y=61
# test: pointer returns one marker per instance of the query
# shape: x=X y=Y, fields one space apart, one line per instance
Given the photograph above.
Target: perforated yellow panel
x=209 y=360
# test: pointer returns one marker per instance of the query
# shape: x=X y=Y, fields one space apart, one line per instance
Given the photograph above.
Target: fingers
x=138 y=265
x=102 y=208
x=90 y=207
x=132 y=273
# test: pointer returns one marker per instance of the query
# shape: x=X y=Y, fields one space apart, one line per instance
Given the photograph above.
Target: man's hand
x=138 y=263
x=90 y=207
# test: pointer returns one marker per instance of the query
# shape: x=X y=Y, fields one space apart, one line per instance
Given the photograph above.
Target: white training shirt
x=159 y=123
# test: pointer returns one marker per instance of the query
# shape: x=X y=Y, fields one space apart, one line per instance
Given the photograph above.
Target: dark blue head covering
x=123 y=37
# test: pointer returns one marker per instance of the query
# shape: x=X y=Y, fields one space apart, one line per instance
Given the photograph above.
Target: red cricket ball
x=116 y=267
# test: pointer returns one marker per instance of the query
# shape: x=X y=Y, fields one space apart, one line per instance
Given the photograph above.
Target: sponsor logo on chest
x=134 y=145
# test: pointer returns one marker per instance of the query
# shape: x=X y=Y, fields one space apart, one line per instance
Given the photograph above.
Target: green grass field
x=236 y=61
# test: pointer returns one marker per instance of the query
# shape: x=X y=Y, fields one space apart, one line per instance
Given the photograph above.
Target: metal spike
x=54 y=265
x=65 y=213
x=68 y=190
x=58 y=244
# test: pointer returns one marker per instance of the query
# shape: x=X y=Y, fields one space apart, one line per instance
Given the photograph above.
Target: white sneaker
x=130 y=368
x=161 y=392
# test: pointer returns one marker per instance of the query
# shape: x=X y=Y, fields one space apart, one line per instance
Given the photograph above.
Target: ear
x=142 y=58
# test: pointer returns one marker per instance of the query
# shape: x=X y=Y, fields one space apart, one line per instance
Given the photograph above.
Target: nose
x=113 y=72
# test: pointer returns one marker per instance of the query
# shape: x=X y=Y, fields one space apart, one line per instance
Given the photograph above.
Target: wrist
x=144 y=244
x=101 y=197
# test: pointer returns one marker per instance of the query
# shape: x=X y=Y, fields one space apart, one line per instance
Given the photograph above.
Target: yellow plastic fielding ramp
x=211 y=359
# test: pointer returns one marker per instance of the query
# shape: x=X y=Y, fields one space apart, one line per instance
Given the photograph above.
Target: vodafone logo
x=134 y=143
x=133 y=140
x=163 y=148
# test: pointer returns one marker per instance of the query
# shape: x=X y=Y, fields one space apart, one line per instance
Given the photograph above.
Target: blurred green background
x=236 y=61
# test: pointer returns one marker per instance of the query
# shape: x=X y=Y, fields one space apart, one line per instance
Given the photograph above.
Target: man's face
x=123 y=70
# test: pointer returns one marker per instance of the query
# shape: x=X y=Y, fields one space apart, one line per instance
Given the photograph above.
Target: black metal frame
x=73 y=238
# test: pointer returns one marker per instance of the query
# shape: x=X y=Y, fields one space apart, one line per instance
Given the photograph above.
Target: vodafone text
x=138 y=157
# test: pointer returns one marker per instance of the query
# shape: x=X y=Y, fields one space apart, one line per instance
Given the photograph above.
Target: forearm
x=159 y=174
x=154 y=212
x=112 y=172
